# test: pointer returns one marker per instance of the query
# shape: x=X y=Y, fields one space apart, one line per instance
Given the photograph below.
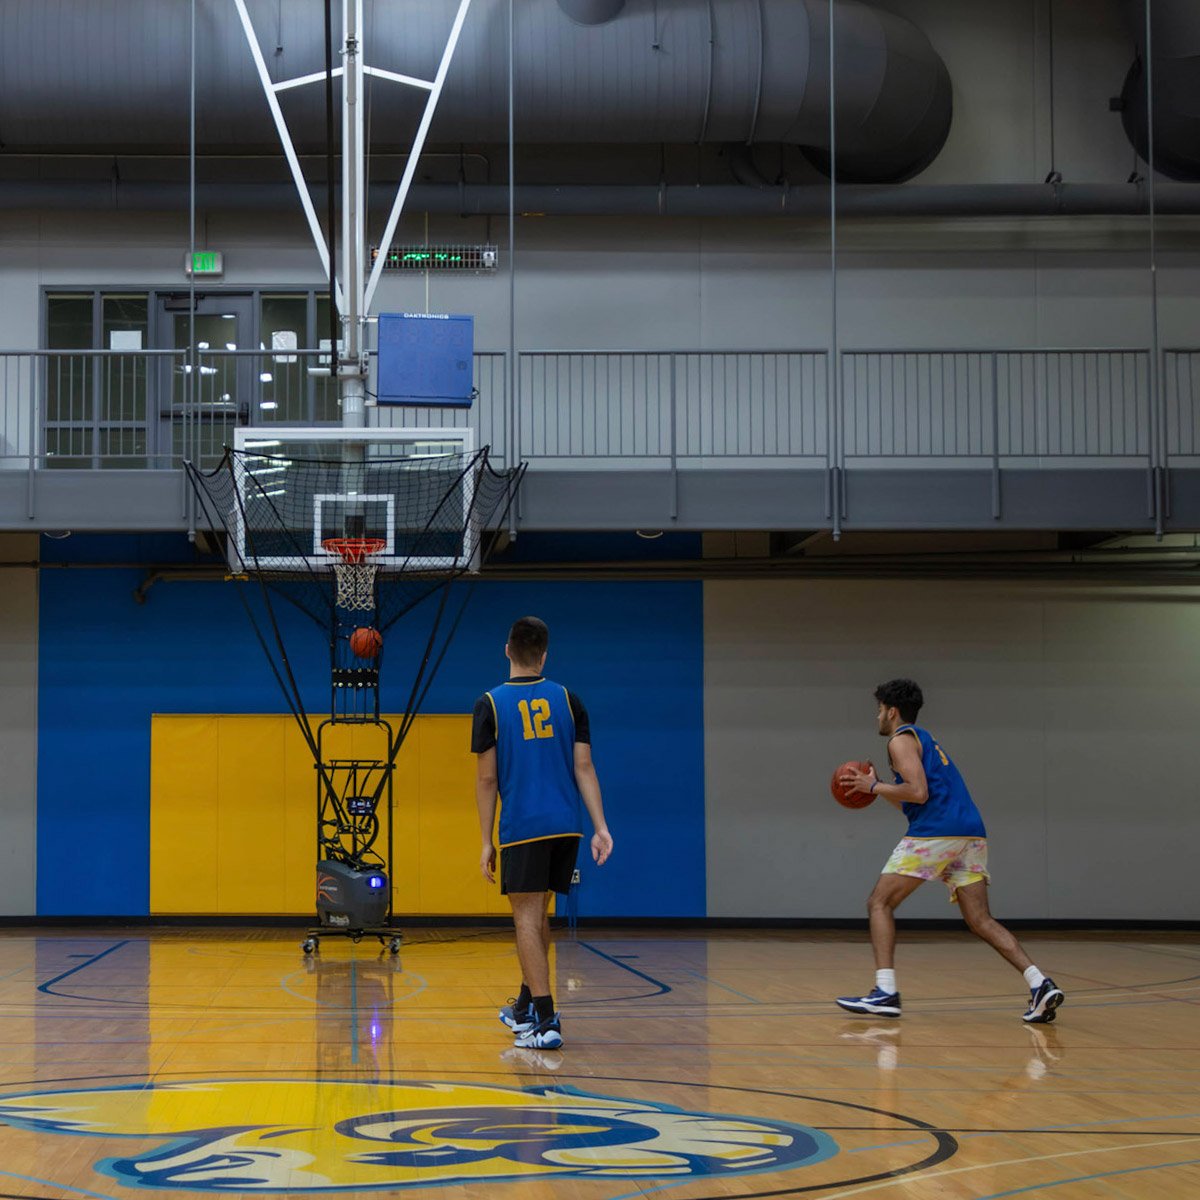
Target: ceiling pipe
x=987 y=200
x=1175 y=34
x=591 y=12
x=678 y=73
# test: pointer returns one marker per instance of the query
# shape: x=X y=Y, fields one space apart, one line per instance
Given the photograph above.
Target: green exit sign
x=204 y=262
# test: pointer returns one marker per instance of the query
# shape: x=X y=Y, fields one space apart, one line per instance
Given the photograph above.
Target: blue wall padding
x=631 y=650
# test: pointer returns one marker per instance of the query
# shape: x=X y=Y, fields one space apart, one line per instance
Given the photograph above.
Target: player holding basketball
x=533 y=746
x=946 y=840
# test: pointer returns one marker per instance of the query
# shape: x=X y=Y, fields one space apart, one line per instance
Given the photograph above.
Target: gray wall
x=1071 y=711
x=18 y=725
x=680 y=284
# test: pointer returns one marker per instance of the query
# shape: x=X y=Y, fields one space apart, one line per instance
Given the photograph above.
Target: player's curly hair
x=528 y=640
x=901 y=694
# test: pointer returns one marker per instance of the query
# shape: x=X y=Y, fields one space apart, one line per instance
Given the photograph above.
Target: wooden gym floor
x=696 y=1065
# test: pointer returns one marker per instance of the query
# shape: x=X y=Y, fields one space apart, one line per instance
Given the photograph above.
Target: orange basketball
x=846 y=798
x=366 y=642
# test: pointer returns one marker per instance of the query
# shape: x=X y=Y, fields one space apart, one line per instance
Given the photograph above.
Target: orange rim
x=354 y=550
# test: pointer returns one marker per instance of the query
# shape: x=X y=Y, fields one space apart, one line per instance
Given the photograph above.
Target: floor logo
x=250 y=1135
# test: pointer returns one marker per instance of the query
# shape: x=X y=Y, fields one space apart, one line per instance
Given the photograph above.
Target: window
x=95 y=410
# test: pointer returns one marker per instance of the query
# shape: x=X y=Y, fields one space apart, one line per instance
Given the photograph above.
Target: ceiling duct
x=591 y=12
x=113 y=75
x=1175 y=45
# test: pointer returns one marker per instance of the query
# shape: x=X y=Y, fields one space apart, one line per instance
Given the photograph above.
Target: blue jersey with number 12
x=535 y=762
x=949 y=811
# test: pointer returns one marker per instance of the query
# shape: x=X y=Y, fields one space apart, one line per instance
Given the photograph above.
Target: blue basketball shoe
x=545 y=1034
x=877 y=1003
x=1043 y=1000
x=517 y=1019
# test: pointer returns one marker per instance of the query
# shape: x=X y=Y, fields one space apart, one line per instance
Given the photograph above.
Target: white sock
x=1034 y=978
x=885 y=980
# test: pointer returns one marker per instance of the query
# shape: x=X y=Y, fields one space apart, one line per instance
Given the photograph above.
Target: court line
x=45 y=987
x=663 y=988
x=1086 y=1128
x=766 y=1008
x=1037 y=1187
x=50 y=1183
x=724 y=987
x=1009 y=1162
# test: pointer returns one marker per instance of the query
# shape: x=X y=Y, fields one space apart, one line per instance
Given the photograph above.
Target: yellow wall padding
x=233 y=816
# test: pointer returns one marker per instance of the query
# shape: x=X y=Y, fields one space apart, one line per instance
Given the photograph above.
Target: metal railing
x=971 y=404
x=689 y=404
x=153 y=408
x=1181 y=402
x=488 y=414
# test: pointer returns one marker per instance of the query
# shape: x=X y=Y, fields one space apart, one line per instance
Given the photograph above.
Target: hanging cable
x=331 y=193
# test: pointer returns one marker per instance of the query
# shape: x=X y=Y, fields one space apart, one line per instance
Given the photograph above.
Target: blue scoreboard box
x=426 y=358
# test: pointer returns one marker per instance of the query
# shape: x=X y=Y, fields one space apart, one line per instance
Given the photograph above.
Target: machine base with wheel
x=389 y=939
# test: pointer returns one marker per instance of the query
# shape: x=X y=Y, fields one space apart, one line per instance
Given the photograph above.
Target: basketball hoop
x=355 y=571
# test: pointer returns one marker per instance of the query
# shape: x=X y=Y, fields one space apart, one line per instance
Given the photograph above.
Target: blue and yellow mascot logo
x=252 y=1135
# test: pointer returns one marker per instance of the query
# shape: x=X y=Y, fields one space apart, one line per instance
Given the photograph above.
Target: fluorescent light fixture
x=231 y=345
x=201 y=345
x=268 y=405
x=229 y=316
x=260 y=445
x=265 y=377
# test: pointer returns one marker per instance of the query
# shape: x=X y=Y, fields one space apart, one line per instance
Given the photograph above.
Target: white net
x=355 y=586
x=355 y=571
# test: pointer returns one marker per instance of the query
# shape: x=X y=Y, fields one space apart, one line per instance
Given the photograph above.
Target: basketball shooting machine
x=359 y=530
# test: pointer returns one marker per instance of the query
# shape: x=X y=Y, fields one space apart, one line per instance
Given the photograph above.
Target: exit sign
x=204 y=262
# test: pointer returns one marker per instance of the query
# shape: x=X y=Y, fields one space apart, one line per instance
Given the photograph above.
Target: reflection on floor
x=695 y=1065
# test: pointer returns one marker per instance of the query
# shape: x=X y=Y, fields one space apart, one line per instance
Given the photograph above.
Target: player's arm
x=487 y=783
x=589 y=788
x=486 y=791
x=913 y=788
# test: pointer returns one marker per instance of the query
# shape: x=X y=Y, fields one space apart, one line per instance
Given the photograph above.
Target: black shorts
x=542 y=866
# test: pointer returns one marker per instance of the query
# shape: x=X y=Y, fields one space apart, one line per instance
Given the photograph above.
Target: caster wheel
x=308 y=945
x=394 y=946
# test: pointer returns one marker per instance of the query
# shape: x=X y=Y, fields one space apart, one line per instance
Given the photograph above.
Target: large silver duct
x=1175 y=61
x=113 y=75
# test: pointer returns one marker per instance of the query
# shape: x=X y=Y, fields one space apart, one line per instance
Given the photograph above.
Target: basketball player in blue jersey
x=533 y=746
x=946 y=840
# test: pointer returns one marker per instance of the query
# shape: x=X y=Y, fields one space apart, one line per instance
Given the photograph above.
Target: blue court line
x=1041 y=1187
x=723 y=986
x=95 y=958
x=663 y=988
x=61 y=1186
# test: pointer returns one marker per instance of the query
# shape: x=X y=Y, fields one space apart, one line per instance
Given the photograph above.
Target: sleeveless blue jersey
x=949 y=811
x=535 y=762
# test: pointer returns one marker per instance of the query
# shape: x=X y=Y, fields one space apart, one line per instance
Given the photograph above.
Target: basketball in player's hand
x=841 y=791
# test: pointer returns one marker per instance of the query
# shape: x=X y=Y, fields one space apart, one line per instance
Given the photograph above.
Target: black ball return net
x=357 y=543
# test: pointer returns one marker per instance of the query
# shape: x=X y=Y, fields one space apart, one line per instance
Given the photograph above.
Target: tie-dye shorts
x=957 y=862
